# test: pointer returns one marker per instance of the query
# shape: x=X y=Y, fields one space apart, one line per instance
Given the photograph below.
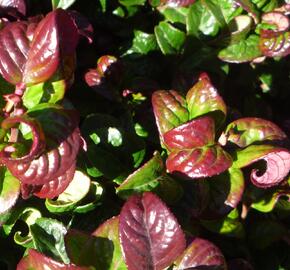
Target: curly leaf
x=244 y=51
x=250 y=8
x=200 y=253
x=110 y=231
x=73 y=194
x=203 y=98
x=37 y=261
x=277 y=162
x=9 y=190
x=14 y=48
x=246 y=131
x=150 y=236
x=196 y=133
x=54 y=38
x=199 y=162
x=169 y=109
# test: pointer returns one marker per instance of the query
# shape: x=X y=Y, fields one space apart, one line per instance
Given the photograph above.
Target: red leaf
x=200 y=253
x=196 y=133
x=169 y=109
x=245 y=131
x=150 y=236
x=278 y=167
x=14 y=47
x=199 y=162
x=54 y=38
x=19 y=5
x=37 y=261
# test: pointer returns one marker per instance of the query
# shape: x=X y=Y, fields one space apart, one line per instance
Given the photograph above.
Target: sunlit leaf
x=150 y=236
x=64 y=4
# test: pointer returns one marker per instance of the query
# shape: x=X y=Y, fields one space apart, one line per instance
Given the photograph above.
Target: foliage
x=144 y=134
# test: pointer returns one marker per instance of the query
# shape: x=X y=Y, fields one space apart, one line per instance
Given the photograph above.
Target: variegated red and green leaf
x=246 y=131
x=169 y=109
x=277 y=164
x=203 y=99
x=199 y=162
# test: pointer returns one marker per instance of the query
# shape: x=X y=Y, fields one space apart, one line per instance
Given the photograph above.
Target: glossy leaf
x=129 y=3
x=73 y=194
x=19 y=5
x=48 y=237
x=175 y=15
x=14 y=49
x=64 y=4
x=55 y=37
x=196 y=133
x=246 y=131
x=144 y=179
x=169 y=38
x=277 y=164
x=110 y=230
x=169 y=109
x=200 y=253
x=143 y=43
x=150 y=236
x=244 y=51
x=249 y=6
x=240 y=27
x=199 y=162
x=37 y=261
x=203 y=98
x=9 y=190
x=174 y=3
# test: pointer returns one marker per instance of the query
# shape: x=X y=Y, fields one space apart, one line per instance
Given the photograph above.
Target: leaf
x=145 y=178
x=169 y=38
x=14 y=48
x=244 y=51
x=203 y=98
x=246 y=131
x=277 y=164
x=55 y=38
x=240 y=27
x=199 y=162
x=143 y=43
x=73 y=194
x=37 y=261
x=169 y=109
x=250 y=8
x=200 y=253
x=196 y=133
x=64 y=4
x=19 y=5
x=48 y=237
x=110 y=231
x=216 y=11
x=9 y=190
x=175 y=3
x=239 y=264
x=150 y=236
x=175 y=15
x=129 y=3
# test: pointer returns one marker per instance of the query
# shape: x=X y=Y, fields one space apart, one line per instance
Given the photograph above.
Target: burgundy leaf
x=199 y=162
x=55 y=38
x=246 y=131
x=200 y=253
x=196 y=133
x=203 y=98
x=169 y=109
x=277 y=164
x=19 y=5
x=38 y=143
x=37 y=261
x=150 y=236
x=275 y=42
x=93 y=78
x=14 y=47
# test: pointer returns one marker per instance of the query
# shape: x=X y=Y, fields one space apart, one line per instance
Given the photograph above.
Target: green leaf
x=215 y=8
x=169 y=38
x=129 y=3
x=74 y=193
x=110 y=230
x=175 y=15
x=64 y=4
x=143 y=43
x=9 y=190
x=144 y=179
x=46 y=92
x=48 y=237
x=244 y=51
